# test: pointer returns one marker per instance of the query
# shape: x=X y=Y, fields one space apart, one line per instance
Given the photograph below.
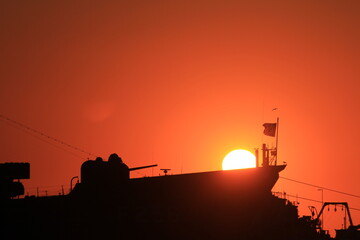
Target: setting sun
x=238 y=159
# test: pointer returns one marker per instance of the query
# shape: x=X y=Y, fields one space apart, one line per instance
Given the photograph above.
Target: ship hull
x=233 y=204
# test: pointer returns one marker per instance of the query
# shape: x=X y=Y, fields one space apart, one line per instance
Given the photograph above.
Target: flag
x=270 y=129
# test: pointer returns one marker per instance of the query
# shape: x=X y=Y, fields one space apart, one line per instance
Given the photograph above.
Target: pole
x=345 y=220
x=277 y=140
x=265 y=156
x=322 y=202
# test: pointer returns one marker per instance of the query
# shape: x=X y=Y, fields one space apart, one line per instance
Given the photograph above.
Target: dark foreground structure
x=107 y=204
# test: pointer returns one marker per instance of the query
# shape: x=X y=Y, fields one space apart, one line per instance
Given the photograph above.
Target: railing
x=44 y=191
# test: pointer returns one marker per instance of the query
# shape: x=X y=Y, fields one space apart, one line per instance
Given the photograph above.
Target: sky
x=182 y=83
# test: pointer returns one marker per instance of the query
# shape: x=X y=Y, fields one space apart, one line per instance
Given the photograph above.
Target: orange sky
x=182 y=83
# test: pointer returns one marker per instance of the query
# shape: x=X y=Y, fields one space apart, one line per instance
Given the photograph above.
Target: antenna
x=165 y=170
x=277 y=138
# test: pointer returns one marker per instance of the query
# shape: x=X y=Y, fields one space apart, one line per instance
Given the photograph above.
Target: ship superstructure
x=107 y=204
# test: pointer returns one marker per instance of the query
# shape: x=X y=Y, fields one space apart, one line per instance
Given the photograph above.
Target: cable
x=303 y=198
x=328 y=189
x=43 y=140
x=12 y=123
x=313 y=200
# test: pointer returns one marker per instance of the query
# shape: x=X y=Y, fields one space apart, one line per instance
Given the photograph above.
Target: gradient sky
x=181 y=84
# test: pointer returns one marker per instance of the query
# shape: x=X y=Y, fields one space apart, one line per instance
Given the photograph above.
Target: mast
x=270 y=155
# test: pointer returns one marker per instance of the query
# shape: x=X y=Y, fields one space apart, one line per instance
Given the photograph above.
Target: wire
x=303 y=198
x=313 y=200
x=328 y=189
x=43 y=140
x=23 y=127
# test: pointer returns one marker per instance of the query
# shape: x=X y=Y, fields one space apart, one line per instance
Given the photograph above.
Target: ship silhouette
x=107 y=204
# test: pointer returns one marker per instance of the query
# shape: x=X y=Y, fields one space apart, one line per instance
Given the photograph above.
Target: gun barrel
x=137 y=168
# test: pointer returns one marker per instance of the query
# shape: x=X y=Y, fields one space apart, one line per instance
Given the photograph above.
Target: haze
x=182 y=83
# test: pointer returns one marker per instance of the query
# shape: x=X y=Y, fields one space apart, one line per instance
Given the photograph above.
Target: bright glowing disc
x=239 y=159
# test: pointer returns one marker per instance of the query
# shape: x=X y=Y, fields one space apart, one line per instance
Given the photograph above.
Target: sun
x=239 y=159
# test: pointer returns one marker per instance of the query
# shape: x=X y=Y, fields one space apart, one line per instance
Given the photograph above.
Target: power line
x=328 y=189
x=23 y=127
